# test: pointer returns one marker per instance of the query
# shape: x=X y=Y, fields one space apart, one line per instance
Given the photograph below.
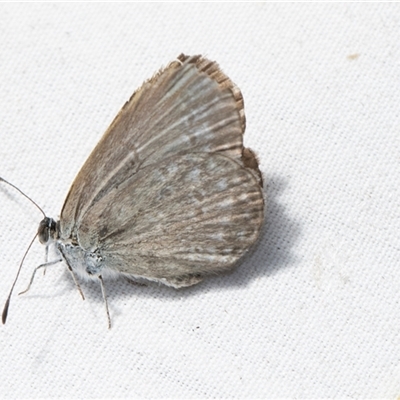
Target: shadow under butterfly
x=169 y=193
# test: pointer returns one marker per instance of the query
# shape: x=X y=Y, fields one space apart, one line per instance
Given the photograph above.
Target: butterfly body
x=169 y=194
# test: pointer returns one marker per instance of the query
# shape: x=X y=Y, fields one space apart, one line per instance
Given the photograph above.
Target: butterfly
x=169 y=194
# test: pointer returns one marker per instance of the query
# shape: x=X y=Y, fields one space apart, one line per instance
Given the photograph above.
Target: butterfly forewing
x=190 y=106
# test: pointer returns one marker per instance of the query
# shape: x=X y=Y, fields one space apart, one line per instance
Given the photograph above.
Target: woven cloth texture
x=314 y=310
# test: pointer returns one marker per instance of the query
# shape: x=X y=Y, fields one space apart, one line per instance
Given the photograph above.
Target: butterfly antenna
x=103 y=290
x=23 y=194
x=7 y=305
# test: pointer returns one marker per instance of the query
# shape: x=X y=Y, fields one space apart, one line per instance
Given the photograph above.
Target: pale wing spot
x=222 y=184
x=217 y=236
x=208 y=257
x=193 y=175
x=172 y=168
x=225 y=220
x=227 y=203
x=243 y=197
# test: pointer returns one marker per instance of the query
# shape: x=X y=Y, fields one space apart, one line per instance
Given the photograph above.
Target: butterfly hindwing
x=189 y=216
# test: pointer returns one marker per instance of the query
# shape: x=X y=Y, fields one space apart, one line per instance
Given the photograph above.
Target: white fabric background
x=314 y=311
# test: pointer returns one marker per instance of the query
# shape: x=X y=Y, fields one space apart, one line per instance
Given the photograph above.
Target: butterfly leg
x=103 y=290
x=61 y=249
x=47 y=264
x=78 y=286
x=46 y=255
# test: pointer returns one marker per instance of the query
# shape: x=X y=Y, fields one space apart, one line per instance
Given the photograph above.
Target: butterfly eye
x=47 y=230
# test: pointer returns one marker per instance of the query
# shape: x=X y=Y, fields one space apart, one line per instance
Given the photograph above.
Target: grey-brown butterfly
x=169 y=193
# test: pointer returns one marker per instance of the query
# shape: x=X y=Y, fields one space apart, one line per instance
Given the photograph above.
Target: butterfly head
x=47 y=231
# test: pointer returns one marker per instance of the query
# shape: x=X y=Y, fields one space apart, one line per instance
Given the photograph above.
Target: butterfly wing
x=190 y=106
x=174 y=222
